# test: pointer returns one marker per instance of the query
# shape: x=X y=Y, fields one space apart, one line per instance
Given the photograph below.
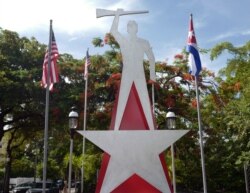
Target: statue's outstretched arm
x=114 y=28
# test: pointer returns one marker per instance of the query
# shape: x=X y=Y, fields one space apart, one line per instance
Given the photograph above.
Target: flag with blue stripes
x=194 y=61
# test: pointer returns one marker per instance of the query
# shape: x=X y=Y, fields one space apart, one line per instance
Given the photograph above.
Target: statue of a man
x=133 y=50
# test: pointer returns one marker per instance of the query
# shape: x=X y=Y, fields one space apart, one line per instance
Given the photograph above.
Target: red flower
x=194 y=103
x=178 y=56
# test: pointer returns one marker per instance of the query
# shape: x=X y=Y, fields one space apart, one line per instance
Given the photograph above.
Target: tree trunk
x=6 y=182
x=8 y=165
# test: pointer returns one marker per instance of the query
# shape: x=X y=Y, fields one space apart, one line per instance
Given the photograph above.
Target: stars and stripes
x=53 y=77
x=87 y=63
x=194 y=61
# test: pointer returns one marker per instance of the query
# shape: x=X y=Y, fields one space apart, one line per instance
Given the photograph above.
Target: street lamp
x=171 y=119
x=73 y=124
x=171 y=124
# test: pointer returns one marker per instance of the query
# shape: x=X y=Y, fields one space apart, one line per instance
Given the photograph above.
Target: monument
x=133 y=161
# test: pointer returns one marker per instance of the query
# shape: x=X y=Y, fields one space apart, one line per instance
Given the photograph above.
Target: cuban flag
x=194 y=61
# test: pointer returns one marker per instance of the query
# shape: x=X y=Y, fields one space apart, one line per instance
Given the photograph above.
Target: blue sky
x=165 y=26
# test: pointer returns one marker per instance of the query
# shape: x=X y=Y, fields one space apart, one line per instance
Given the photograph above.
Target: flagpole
x=45 y=152
x=153 y=98
x=84 y=126
x=200 y=137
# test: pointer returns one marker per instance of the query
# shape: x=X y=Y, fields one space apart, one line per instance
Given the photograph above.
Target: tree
x=227 y=116
x=19 y=104
x=20 y=75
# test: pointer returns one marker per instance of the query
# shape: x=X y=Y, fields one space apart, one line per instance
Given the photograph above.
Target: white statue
x=133 y=50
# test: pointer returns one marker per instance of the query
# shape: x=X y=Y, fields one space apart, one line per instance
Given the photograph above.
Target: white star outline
x=134 y=152
x=191 y=34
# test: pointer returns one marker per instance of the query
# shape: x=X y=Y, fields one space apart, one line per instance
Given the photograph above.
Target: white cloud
x=28 y=14
x=68 y=16
x=223 y=36
x=126 y=5
x=166 y=53
x=246 y=32
x=230 y=34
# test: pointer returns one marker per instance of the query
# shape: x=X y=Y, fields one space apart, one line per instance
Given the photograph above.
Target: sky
x=165 y=26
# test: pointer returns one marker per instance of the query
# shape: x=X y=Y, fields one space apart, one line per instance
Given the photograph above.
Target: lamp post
x=171 y=124
x=73 y=124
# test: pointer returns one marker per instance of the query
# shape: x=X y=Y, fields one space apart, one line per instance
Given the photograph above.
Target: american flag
x=54 y=77
x=87 y=63
x=194 y=61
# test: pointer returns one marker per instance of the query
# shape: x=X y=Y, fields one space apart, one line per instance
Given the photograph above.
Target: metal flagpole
x=201 y=137
x=84 y=125
x=173 y=168
x=45 y=153
x=84 y=128
x=153 y=98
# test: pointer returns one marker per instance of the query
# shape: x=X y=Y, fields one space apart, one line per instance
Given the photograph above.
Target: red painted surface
x=133 y=119
x=135 y=184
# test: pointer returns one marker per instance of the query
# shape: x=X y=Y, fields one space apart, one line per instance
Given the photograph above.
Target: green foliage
x=91 y=162
x=23 y=167
x=225 y=119
x=19 y=78
x=219 y=48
